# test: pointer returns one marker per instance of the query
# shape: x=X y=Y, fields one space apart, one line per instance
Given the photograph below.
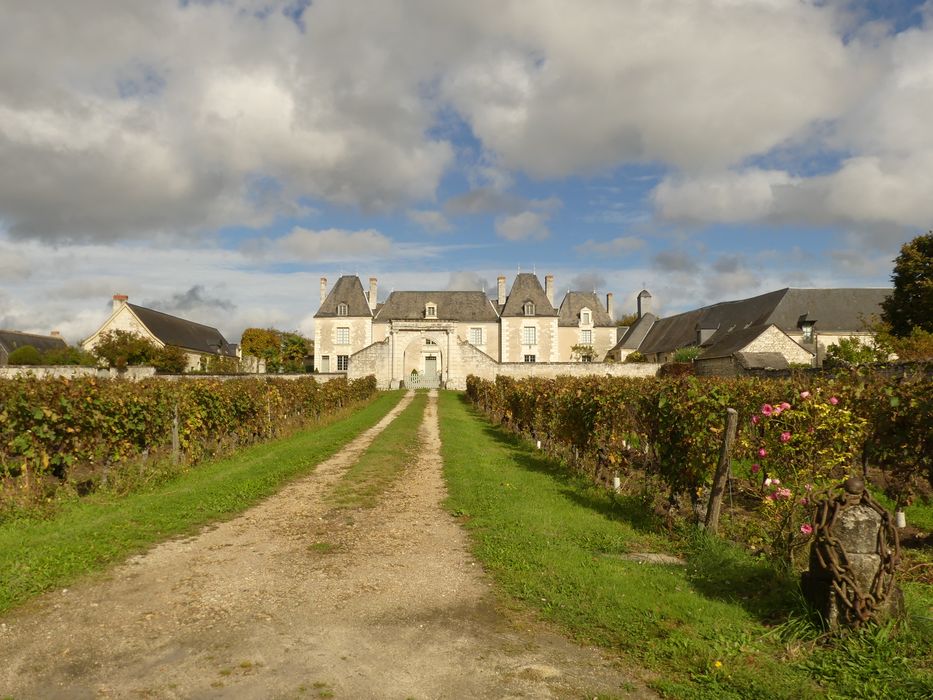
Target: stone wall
x=74 y=372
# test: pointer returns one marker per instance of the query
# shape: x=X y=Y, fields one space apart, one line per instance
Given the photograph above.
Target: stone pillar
x=501 y=290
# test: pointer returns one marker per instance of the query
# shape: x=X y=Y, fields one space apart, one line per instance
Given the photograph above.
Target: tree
x=627 y=320
x=264 y=343
x=910 y=305
x=25 y=355
x=68 y=356
x=121 y=349
x=294 y=348
x=849 y=352
x=171 y=360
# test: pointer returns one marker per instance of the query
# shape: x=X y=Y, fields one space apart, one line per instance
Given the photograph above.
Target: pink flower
x=782 y=494
x=785 y=406
x=755 y=420
x=785 y=436
x=804 y=501
x=777 y=411
x=805 y=395
x=762 y=452
x=806 y=529
x=767 y=409
x=833 y=400
x=775 y=481
x=756 y=468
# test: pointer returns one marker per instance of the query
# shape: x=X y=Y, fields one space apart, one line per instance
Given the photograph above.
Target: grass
x=383 y=461
x=724 y=626
x=87 y=535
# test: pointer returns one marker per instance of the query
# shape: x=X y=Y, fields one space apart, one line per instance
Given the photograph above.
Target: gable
x=348 y=290
x=525 y=288
x=574 y=302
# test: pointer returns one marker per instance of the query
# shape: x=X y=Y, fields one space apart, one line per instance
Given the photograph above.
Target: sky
x=215 y=159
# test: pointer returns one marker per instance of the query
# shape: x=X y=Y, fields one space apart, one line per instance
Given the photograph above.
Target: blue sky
x=215 y=159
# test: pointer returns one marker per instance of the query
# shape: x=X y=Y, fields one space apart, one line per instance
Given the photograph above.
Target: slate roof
x=473 y=307
x=11 y=340
x=636 y=333
x=526 y=287
x=762 y=360
x=727 y=343
x=569 y=312
x=840 y=310
x=348 y=290
x=183 y=333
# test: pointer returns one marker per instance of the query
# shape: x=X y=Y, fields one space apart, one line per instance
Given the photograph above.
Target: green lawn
x=724 y=626
x=90 y=534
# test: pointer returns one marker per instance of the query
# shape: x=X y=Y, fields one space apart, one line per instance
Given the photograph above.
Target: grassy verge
x=87 y=535
x=383 y=461
x=723 y=626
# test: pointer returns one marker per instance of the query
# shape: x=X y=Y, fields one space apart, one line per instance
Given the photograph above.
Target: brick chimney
x=372 y=292
x=609 y=308
x=501 y=281
x=549 y=288
x=323 y=289
x=118 y=301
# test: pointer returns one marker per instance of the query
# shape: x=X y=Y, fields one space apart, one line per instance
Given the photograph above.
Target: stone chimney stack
x=56 y=334
x=323 y=289
x=119 y=300
x=549 y=288
x=609 y=308
x=372 y=293
x=644 y=303
x=501 y=281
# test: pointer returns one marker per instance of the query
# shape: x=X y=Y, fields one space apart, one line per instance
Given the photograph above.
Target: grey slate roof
x=833 y=309
x=348 y=290
x=569 y=312
x=183 y=333
x=11 y=340
x=526 y=287
x=474 y=307
x=762 y=360
x=636 y=333
x=727 y=343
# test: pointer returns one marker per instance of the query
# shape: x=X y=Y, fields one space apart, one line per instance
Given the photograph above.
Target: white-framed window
x=529 y=335
x=476 y=336
x=529 y=308
x=342 y=309
x=343 y=362
x=430 y=310
x=586 y=337
x=530 y=358
x=325 y=363
x=585 y=318
x=343 y=335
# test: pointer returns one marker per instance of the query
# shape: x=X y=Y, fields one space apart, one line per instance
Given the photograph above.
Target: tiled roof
x=348 y=290
x=451 y=306
x=183 y=333
x=636 y=333
x=569 y=313
x=526 y=287
x=11 y=340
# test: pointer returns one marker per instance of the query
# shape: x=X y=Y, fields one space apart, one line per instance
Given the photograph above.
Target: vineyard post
x=722 y=472
x=176 y=446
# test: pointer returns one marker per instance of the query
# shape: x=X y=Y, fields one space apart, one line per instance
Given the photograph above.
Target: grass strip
x=383 y=461
x=715 y=628
x=89 y=534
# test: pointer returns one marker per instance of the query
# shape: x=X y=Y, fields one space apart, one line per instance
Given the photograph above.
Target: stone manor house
x=427 y=338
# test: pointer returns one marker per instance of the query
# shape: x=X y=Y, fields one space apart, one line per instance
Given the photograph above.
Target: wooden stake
x=722 y=472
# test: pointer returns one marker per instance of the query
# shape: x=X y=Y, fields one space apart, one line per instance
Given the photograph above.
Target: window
x=342 y=309
x=529 y=308
x=807 y=333
x=585 y=318
x=343 y=336
x=476 y=336
x=430 y=311
x=325 y=363
x=529 y=358
x=343 y=362
x=586 y=337
x=529 y=335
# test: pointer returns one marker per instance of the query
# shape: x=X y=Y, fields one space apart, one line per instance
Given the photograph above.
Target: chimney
x=501 y=281
x=372 y=292
x=644 y=303
x=56 y=334
x=119 y=300
x=323 y=289
x=549 y=288
x=609 y=308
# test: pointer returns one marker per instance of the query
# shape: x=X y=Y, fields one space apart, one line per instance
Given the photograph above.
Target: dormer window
x=529 y=308
x=342 y=309
x=430 y=310
x=586 y=318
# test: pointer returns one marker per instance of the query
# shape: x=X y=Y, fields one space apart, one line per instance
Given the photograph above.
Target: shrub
x=121 y=349
x=688 y=354
x=25 y=355
x=68 y=356
x=170 y=360
x=635 y=356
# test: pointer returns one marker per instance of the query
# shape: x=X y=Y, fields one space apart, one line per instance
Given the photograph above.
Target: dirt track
x=293 y=600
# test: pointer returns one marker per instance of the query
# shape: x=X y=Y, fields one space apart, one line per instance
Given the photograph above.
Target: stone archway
x=423 y=363
x=423 y=346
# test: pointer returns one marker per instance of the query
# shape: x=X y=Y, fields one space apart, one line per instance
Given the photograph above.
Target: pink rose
x=785 y=406
x=767 y=409
x=805 y=395
x=768 y=481
x=783 y=494
x=755 y=420
x=777 y=411
x=806 y=529
x=833 y=400
x=756 y=468
x=804 y=501
x=762 y=452
x=785 y=436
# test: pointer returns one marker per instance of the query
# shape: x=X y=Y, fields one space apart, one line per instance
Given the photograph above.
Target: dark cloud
x=675 y=261
x=588 y=282
x=195 y=298
x=728 y=263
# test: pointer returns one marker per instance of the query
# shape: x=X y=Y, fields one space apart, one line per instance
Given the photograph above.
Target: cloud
x=675 y=261
x=588 y=282
x=524 y=226
x=335 y=244
x=431 y=221
x=194 y=298
x=611 y=248
x=467 y=281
